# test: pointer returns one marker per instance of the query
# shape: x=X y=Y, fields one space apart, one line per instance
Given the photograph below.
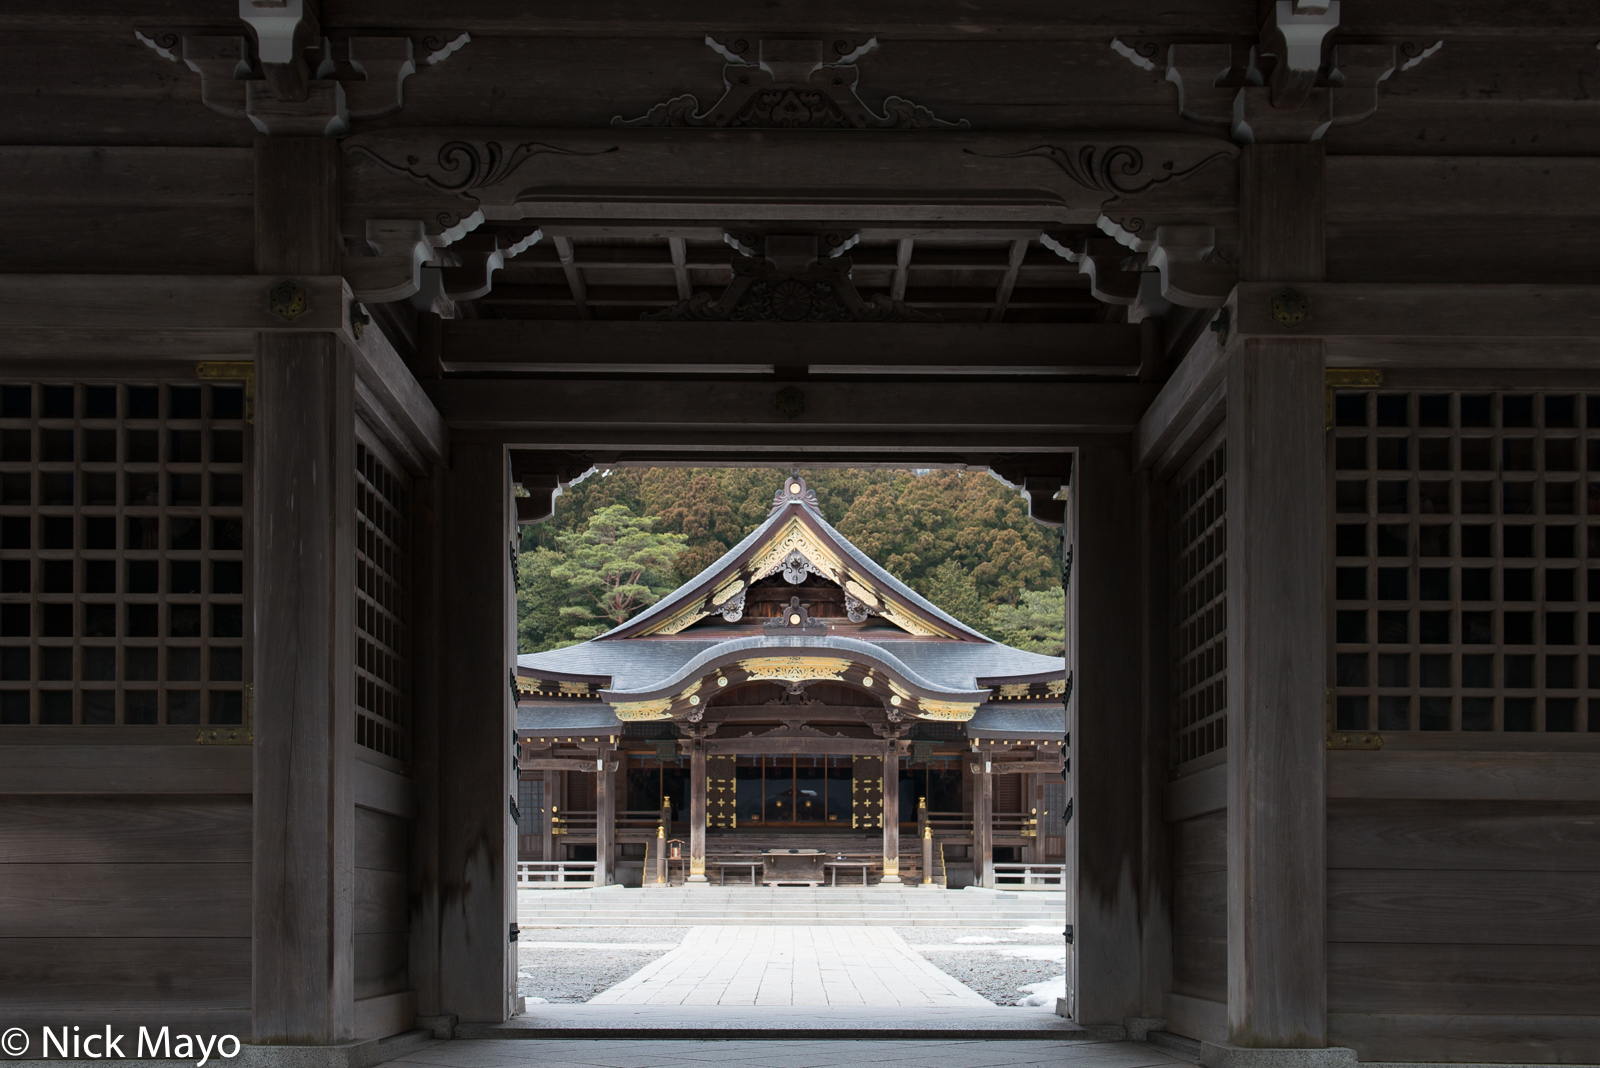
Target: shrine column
x=697 y=812
x=891 y=813
x=605 y=817
x=1105 y=837
x=983 y=821
x=477 y=720
x=1277 y=944
x=304 y=810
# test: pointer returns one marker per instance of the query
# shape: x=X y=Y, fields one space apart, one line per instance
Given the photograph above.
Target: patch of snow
x=973 y=940
x=542 y=1001
x=1040 y=930
x=1057 y=953
x=1043 y=995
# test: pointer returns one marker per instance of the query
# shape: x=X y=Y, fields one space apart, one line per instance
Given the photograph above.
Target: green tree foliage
x=960 y=538
x=1034 y=623
x=619 y=564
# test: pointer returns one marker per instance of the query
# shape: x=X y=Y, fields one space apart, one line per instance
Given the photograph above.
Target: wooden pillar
x=304 y=814
x=478 y=840
x=1106 y=737
x=891 y=813
x=425 y=675
x=697 y=813
x=551 y=783
x=1277 y=956
x=605 y=817
x=925 y=832
x=983 y=823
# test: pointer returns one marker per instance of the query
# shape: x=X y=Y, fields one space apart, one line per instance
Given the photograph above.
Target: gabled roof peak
x=794 y=492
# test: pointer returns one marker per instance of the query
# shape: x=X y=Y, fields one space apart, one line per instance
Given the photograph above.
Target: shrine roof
x=1000 y=720
x=642 y=666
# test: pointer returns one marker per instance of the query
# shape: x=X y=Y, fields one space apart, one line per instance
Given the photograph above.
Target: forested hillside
x=620 y=541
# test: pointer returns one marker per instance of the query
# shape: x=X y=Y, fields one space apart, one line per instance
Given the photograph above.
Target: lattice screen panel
x=383 y=515
x=1200 y=607
x=122 y=537
x=1467 y=557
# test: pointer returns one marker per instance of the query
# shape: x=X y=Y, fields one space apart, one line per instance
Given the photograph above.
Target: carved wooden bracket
x=1293 y=85
x=289 y=79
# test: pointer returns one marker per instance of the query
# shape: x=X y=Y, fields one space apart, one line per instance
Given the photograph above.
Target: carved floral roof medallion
x=288 y=300
x=794 y=668
x=790 y=87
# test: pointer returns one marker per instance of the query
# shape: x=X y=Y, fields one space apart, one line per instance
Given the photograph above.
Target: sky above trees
x=619 y=542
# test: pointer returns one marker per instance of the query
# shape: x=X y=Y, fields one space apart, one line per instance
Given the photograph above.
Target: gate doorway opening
x=747 y=747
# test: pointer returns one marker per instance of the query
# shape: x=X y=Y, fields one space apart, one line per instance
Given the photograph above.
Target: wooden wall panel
x=380 y=906
x=1200 y=935
x=109 y=900
x=151 y=975
x=382 y=841
x=112 y=829
x=1200 y=845
x=1472 y=1039
x=1421 y=978
x=381 y=964
x=1496 y=907
x=94 y=88
x=1464 y=835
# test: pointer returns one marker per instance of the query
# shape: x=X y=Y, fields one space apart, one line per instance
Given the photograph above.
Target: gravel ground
x=1000 y=960
x=994 y=975
x=573 y=973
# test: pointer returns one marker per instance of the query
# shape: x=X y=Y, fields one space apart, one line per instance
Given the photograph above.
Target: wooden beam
x=627 y=410
x=580 y=293
x=1422 y=311
x=68 y=768
x=1100 y=349
x=902 y=264
x=388 y=382
x=1008 y=281
x=678 y=247
x=1489 y=776
x=134 y=303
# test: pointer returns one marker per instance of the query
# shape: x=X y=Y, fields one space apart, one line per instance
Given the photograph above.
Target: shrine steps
x=890 y=906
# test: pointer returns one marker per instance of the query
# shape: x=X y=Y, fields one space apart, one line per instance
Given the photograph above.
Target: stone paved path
x=791 y=965
x=602 y=1053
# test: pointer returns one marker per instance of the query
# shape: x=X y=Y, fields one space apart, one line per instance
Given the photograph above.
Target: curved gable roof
x=795 y=525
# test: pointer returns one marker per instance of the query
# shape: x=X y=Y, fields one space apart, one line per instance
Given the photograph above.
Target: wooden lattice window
x=122 y=537
x=1200 y=606
x=382 y=681
x=1467 y=558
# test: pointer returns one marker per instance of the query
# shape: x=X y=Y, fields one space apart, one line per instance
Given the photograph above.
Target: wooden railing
x=555 y=874
x=568 y=821
x=1030 y=876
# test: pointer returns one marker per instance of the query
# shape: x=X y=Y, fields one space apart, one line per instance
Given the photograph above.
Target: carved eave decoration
x=853 y=663
x=557 y=689
x=790 y=85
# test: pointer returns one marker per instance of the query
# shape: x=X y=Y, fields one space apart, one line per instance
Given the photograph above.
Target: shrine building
x=792 y=709
x=1286 y=313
